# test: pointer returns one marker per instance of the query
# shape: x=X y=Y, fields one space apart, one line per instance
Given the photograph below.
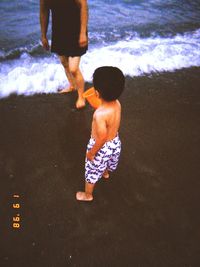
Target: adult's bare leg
x=72 y=84
x=78 y=78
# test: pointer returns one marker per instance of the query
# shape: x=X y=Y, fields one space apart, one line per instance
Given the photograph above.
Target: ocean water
x=138 y=36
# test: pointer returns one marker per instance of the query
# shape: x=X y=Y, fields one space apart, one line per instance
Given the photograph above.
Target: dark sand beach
x=146 y=214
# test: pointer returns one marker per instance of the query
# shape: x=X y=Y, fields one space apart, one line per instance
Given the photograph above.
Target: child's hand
x=90 y=156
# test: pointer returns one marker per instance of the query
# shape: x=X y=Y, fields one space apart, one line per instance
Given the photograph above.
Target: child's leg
x=87 y=195
x=106 y=174
x=115 y=148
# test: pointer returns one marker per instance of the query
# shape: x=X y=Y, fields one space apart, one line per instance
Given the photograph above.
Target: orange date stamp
x=16 y=220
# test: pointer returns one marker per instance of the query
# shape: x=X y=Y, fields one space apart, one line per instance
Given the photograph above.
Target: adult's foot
x=80 y=103
x=66 y=90
x=82 y=196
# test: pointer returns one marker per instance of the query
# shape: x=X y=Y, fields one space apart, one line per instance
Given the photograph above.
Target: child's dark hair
x=109 y=82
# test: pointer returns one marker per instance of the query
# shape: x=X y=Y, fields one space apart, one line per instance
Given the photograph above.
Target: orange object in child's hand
x=92 y=98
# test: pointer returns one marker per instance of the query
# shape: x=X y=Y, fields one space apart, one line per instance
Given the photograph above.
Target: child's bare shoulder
x=99 y=114
x=105 y=113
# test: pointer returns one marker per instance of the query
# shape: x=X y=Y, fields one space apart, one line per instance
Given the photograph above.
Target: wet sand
x=146 y=214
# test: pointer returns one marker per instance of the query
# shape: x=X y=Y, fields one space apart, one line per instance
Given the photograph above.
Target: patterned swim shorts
x=106 y=158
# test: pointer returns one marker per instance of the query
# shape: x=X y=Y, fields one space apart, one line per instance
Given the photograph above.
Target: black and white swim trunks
x=107 y=158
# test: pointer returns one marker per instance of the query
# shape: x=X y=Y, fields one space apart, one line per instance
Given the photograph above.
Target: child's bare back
x=107 y=117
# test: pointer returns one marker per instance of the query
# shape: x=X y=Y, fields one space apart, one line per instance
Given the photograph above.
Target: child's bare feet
x=82 y=196
x=106 y=174
x=80 y=103
x=67 y=90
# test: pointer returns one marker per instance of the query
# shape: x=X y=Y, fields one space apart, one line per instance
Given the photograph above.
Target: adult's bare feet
x=80 y=103
x=66 y=90
x=82 y=196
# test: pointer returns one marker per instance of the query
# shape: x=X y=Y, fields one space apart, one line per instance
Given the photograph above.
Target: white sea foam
x=139 y=56
x=29 y=75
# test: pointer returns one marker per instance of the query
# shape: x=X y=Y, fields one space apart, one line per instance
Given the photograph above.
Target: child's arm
x=100 y=128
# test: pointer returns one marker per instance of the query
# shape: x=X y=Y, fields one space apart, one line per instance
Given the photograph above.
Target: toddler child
x=104 y=146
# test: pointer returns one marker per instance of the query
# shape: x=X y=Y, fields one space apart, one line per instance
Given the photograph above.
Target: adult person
x=69 y=38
